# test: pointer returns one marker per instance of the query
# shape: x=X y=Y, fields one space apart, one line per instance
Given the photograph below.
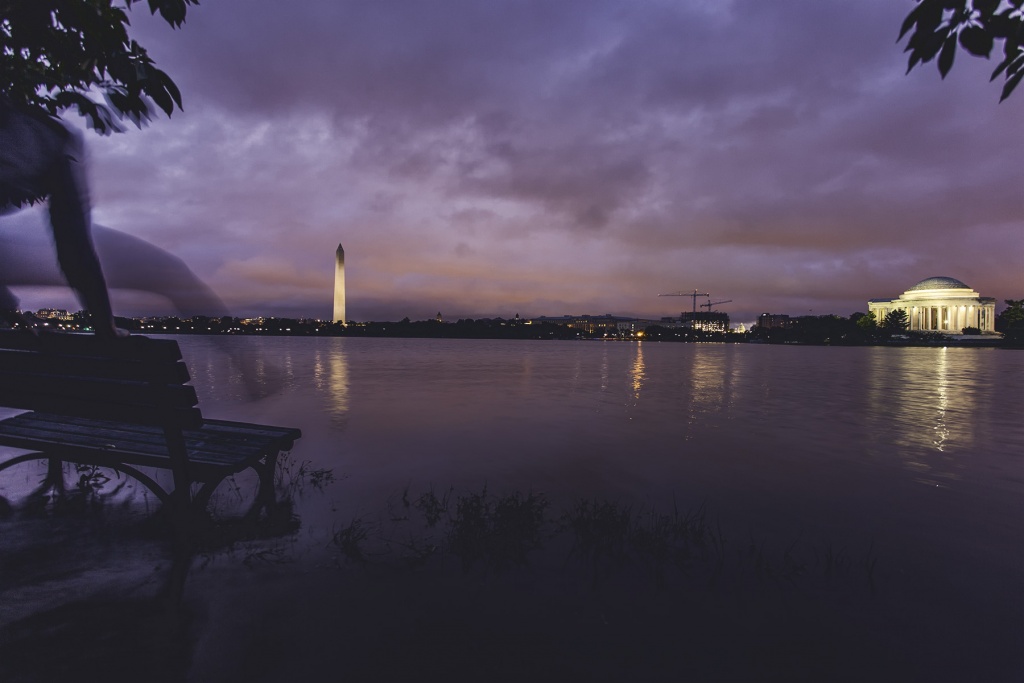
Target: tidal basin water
x=860 y=436
x=911 y=456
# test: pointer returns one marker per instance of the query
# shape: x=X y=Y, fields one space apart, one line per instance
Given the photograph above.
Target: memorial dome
x=938 y=283
x=940 y=304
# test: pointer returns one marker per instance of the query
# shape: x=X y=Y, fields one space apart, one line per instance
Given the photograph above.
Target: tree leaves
x=172 y=11
x=947 y=55
x=977 y=41
x=1011 y=83
x=936 y=27
x=56 y=54
x=895 y=321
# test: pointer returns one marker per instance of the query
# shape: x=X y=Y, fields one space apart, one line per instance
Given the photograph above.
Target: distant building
x=53 y=314
x=591 y=324
x=768 y=321
x=634 y=325
x=940 y=304
x=706 y=321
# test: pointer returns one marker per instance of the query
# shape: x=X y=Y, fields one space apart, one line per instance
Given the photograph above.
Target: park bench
x=124 y=404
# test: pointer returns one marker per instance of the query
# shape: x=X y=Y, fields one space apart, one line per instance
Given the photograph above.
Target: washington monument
x=339 y=285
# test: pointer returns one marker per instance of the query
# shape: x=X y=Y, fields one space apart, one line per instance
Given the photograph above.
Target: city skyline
x=50 y=311
x=577 y=158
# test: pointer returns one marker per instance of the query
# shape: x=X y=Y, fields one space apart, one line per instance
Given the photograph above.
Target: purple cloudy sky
x=489 y=157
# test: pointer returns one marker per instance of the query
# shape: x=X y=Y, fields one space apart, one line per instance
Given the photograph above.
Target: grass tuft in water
x=291 y=476
x=351 y=540
x=607 y=535
x=609 y=540
x=498 y=532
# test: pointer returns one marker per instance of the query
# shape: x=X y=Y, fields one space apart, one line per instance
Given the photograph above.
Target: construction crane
x=710 y=303
x=694 y=294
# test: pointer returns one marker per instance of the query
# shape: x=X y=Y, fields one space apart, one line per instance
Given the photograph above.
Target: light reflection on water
x=441 y=409
x=638 y=372
x=623 y=419
x=931 y=403
x=715 y=373
x=330 y=378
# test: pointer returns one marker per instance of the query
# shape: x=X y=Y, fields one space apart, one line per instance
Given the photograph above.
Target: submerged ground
x=595 y=592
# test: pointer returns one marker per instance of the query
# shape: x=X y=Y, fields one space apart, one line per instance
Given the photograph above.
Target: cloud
x=271 y=272
x=585 y=154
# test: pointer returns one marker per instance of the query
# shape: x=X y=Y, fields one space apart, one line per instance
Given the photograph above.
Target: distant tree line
x=858 y=329
x=486 y=328
x=1011 y=322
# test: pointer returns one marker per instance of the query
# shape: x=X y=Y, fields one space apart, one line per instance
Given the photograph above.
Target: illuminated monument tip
x=339 y=285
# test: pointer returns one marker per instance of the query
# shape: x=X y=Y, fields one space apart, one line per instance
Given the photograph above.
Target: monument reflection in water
x=925 y=405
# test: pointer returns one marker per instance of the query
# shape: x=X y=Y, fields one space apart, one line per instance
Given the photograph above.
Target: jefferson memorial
x=940 y=304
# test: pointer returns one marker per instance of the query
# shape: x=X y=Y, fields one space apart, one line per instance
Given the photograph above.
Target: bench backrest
x=135 y=379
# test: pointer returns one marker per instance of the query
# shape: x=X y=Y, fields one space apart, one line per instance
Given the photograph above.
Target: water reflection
x=941 y=430
x=330 y=378
x=935 y=412
x=604 y=371
x=927 y=397
x=338 y=384
x=714 y=376
x=637 y=372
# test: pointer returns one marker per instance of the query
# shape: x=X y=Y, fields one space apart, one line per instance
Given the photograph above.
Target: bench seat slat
x=141 y=446
x=213 y=430
x=213 y=435
x=200 y=469
x=82 y=366
x=126 y=349
x=92 y=389
x=142 y=414
x=152 y=442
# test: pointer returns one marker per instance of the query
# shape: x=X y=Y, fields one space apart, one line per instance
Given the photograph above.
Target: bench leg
x=181 y=497
x=55 y=477
x=266 y=497
x=202 y=497
x=174 y=587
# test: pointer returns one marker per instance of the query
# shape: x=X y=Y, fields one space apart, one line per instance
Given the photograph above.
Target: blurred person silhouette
x=42 y=159
x=130 y=263
x=56 y=57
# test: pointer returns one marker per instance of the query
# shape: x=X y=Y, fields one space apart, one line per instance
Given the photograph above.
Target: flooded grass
x=479 y=584
x=593 y=539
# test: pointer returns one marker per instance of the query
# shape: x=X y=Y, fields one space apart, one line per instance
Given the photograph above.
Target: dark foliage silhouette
x=940 y=26
x=54 y=53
